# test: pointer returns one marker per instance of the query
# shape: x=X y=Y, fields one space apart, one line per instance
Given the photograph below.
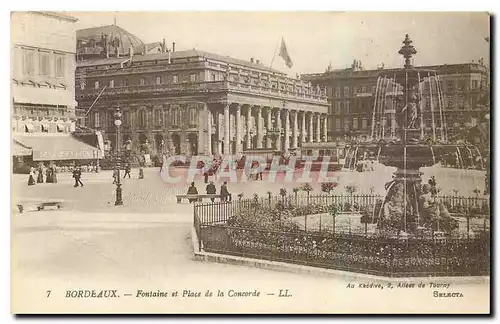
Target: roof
x=181 y=54
x=58 y=15
x=49 y=147
x=126 y=39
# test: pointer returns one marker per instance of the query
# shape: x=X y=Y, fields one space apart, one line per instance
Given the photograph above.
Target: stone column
x=303 y=127
x=208 y=125
x=219 y=131
x=260 y=131
x=325 y=128
x=238 y=130
x=278 y=126
x=227 y=127
x=269 y=143
x=310 y=133
x=249 y=125
x=318 y=128
x=294 y=130
x=287 y=130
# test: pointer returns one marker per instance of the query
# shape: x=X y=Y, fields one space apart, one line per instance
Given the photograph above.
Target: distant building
x=43 y=89
x=352 y=94
x=191 y=102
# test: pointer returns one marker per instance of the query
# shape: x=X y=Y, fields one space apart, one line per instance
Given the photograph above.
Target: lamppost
x=118 y=123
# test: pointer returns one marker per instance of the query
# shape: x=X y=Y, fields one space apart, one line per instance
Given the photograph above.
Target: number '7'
x=48 y=293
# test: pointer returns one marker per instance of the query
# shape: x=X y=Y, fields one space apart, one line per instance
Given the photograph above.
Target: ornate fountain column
x=303 y=127
x=325 y=128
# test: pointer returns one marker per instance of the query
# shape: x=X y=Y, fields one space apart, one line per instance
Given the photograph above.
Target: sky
x=314 y=39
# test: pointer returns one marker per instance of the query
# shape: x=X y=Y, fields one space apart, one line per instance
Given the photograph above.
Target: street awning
x=53 y=147
x=47 y=96
x=20 y=150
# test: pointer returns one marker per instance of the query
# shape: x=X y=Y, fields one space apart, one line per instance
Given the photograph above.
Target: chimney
x=117 y=51
x=251 y=60
x=173 y=46
x=163 y=46
x=144 y=49
x=257 y=61
x=169 y=57
x=107 y=51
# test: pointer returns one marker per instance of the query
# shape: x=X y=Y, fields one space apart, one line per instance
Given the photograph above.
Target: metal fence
x=377 y=256
x=346 y=246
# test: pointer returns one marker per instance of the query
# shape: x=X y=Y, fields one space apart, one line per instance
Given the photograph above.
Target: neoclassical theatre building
x=192 y=102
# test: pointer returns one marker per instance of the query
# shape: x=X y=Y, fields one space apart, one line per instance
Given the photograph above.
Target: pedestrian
x=48 y=174
x=115 y=175
x=77 y=174
x=141 y=171
x=192 y=191
x=224 y=192
x=211 y=190
x=40 y=173
x=127 y=170
x=206 y=176
x=54 y=173
x=31 y=179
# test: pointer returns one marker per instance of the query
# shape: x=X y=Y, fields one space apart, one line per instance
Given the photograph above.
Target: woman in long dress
x=31 y=179
x=40 y=174
x=54 y=173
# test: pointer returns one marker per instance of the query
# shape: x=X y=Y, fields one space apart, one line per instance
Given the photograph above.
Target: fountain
x=409 y=145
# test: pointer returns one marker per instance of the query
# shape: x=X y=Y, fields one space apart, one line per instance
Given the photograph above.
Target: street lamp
x=118 y=123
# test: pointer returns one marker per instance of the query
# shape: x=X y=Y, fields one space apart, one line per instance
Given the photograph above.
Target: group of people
x=225 y=195
x=128 y=169
x=42 y=174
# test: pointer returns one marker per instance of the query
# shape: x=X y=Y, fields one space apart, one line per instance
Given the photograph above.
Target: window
x=111 y=119
x=338 y=125
x=363 y=89
x=364 y=123
x=125 y=82
x=347 y=123
x=374 y=89
x=142 y=81
x=111 y=83
x=474 y=84
x=60 y=66
x=44 y=64
x=461 y=85
x=193 y=116
x=355 y=123
x=126 y=118
x=449 y=86
x=96 y=85
x=142 y=118
x=212 y=76
x=175 y=78
x=346 y=91
x=473 y=101
x=157 y=117
x=341 y=107
x=158 y=80
x=450 y=102
x=28 y=62
x=96 y=119
x=337 y=92
x=193 y=77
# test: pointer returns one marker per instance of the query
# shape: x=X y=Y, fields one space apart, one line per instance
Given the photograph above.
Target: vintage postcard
x=250 y=162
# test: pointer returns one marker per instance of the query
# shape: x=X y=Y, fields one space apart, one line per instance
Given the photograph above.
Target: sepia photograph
x=230 y=162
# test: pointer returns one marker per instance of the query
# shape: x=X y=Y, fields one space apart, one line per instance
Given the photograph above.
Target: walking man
x=224 y=193
x=127 y=170
x=77 y=174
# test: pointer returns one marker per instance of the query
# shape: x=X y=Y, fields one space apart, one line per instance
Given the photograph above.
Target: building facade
x=354 y=92
x=193 y=102
x=42 y=72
